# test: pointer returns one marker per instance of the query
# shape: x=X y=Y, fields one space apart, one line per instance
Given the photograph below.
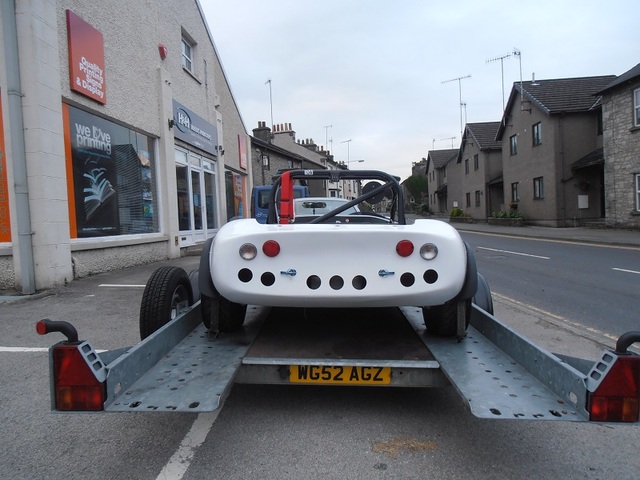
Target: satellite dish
x=377 y=198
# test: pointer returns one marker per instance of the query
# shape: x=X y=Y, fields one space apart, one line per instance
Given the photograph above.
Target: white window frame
x=637 y=175
x=187 y=48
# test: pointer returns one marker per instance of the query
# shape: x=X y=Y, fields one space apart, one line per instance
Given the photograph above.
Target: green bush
x=456 y=212
x=512 y=215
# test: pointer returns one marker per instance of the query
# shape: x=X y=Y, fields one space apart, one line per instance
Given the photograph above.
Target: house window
x=468 y=199
x=513 y=143
x=637 y=192
x=536 y=132
x=636 y=107
x=515 y=197
x=478 y=195
x=538 y=188
x=476 y=162
x=187 y=54
x=466 y=166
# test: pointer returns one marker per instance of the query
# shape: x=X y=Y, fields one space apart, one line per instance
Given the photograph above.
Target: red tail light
x=616 y=397
x=271 y=248
x=76 y=386
x=404 y=248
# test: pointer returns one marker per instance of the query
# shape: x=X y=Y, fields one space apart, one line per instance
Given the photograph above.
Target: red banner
x=86 y=58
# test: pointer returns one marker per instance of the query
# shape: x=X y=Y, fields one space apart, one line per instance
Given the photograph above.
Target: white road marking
x=625 y=270
x=513 y=253
x=178 y=464
x=23 y=349
x=120 y=285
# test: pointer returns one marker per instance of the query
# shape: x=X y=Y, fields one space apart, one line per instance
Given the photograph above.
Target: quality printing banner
x=94 y=174
x=86 y=59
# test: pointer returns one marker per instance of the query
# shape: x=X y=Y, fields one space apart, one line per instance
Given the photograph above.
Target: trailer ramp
x=503 y=375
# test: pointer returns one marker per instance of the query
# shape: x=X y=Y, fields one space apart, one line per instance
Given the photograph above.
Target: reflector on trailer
x=614 y=386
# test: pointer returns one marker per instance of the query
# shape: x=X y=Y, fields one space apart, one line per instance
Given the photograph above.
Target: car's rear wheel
x=166 y=295
x=224 y=314
x=442 y=320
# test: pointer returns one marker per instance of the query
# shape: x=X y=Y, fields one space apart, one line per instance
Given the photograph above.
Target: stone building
x=621 y=148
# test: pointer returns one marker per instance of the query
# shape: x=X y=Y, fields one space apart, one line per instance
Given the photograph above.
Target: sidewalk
x=605 y=236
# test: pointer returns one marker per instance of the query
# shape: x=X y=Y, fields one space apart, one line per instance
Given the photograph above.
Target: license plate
x=340 y=375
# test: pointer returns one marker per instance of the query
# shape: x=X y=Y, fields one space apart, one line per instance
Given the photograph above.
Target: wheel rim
x=179 y=300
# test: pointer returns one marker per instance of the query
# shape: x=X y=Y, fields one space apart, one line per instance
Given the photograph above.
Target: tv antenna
x=501 y=59
x=449 y=138
x=459 y=80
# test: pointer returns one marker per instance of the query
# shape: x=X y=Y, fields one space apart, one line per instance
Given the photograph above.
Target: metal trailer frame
x=501 y=374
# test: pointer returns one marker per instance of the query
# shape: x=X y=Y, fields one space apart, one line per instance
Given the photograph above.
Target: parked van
x=260 y=200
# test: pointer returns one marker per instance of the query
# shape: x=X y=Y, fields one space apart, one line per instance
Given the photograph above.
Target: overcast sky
x=382 y=73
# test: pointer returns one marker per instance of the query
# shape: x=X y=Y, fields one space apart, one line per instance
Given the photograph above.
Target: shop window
x=114 y=178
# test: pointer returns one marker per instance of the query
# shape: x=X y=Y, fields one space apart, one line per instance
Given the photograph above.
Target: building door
x=196 y=196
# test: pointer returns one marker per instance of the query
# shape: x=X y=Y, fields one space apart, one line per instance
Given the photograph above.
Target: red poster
x=5 y=221
x=86 y=59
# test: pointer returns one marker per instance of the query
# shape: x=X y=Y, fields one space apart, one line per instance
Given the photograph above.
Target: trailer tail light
x=78 y=374
x=271 y=248
x=76 y=386
x=615 y=392
x=404 y=248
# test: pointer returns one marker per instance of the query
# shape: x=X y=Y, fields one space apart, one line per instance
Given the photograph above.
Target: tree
x=417 y=186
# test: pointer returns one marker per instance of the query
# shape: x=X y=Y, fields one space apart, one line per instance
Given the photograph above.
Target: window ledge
x=191 y=74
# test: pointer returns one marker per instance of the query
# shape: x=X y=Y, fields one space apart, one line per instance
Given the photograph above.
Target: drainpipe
x=25 y=248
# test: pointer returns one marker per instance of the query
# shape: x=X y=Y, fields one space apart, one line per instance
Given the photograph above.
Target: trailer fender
x=203 y=277
x=470 y=286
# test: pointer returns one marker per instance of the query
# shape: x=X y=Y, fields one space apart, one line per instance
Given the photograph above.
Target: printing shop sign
x=193 y=129
x=86 y=59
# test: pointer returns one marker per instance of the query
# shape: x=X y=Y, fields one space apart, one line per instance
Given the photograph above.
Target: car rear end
x=338 y=265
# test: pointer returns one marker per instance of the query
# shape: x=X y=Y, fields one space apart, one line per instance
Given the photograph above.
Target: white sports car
x=325 y=252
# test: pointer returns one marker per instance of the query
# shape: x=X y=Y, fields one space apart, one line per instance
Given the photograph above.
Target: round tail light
x=271 y=248
x=404 y=248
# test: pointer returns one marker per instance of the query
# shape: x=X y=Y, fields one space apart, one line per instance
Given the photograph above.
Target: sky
x=382 y=81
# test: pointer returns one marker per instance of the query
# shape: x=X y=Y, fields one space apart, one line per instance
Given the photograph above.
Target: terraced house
x=551 y=135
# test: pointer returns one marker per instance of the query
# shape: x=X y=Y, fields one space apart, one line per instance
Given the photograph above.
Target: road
x=290 y=432
x=596 y=287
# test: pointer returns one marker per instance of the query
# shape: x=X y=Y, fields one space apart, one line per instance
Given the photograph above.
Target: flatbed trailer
x=182 y=367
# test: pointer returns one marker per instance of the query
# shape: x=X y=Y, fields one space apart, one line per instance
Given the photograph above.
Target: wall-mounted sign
x=242 y=150
x=86 y=59
x=193 y=129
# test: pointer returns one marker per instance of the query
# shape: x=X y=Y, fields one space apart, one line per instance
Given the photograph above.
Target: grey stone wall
x=621 y=156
